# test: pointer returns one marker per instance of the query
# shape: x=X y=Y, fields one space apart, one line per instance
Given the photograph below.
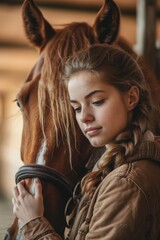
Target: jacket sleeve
x=39 y=229
x=121 y=211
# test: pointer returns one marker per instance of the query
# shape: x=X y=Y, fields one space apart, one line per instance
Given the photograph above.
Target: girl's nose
x=86 y=116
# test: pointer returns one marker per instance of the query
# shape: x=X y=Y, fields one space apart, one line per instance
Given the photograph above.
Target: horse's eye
x=19 y=104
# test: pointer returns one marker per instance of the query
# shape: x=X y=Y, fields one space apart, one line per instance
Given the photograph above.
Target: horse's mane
x=52 y=91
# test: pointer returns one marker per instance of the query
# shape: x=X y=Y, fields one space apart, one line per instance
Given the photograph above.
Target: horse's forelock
x=66 y=42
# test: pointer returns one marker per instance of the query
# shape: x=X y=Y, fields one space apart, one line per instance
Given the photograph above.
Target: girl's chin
x=97 y=144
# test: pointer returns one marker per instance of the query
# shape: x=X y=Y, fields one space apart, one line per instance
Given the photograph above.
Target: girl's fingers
x=13 y=201
x=16 y=204
x=21 y=189
x=15 y=192
x=38 y=187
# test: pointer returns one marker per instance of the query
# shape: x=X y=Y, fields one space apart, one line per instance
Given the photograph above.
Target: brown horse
x=50 y=135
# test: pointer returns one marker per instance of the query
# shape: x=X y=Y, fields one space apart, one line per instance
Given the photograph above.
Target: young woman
x=120 y=197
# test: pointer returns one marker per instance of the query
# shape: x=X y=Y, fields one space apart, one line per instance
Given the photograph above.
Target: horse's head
x=50 y=135
x=49 y=127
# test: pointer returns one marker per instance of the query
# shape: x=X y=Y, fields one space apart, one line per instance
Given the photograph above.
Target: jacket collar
x=149 y=150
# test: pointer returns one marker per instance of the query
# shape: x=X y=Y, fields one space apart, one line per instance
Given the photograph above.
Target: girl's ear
x=133 y=97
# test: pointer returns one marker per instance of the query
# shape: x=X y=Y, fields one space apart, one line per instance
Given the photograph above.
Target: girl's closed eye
x=76 y=109
x=98 y=102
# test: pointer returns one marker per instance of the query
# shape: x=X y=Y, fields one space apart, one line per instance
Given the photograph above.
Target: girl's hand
x=25 y=205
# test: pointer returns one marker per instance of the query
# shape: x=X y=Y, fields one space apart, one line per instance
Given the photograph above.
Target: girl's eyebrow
x=88 y=95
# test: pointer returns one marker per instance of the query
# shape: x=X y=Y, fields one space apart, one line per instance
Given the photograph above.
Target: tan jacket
x=125 y=206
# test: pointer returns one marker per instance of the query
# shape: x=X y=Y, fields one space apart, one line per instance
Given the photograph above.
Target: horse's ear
x=106 y=26
x=37 y=29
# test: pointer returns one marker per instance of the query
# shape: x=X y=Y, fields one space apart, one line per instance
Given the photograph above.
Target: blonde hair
x=123 y=72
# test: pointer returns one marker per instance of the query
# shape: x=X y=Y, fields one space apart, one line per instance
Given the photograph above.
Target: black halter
x=47 y=174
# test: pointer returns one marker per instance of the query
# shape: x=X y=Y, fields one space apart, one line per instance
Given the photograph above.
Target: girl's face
x=102 y=112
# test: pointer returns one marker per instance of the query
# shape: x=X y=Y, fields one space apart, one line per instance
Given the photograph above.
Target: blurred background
x=17 y=58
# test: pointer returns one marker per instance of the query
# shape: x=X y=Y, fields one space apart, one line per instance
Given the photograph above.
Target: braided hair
x=122 y=72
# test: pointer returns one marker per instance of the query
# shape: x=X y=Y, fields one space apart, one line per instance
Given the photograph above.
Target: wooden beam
x=146 y=30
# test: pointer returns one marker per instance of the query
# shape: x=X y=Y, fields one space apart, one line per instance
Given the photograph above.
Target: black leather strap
x=47 y=174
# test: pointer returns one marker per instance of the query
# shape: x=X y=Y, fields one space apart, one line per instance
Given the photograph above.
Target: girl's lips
x=92 y=131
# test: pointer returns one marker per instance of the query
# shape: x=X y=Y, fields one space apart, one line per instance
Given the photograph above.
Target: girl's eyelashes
x=98 y=102
x=77 y=110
